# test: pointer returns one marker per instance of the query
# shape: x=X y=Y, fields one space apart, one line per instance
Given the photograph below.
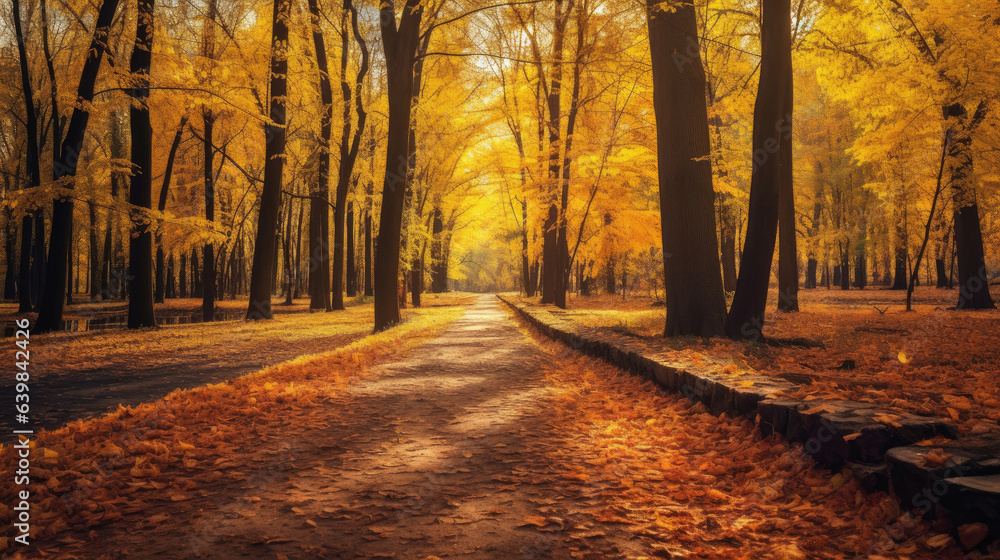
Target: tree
x=770 y=132
x=319 y=199
x=52 y=302
x=694 y=297
x=140 y=295
x=264 y=251
x=33 y=168
x=400 y=45
x=348 y=146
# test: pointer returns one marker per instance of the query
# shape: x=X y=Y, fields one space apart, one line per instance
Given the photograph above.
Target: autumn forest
x=526 y=279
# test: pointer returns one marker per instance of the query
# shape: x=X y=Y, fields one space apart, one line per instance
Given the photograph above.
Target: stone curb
x=874 y=442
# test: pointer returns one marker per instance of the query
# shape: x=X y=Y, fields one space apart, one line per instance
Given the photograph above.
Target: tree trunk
x=10 y=247
x=261 y=273
x=369 y=290
x=811 y=267
x=349 y=146
x=973 y=279
x=352 y=273
x=183 y=277
x=788 y=259
x=25 y=295
x=694 y=296
x=400 y=46
x=439 y=283
x=171 y=278
x=746 y=316
x=195 y=276
x=53 y=302
x=95 y=257
x=140 y=297
x=298 y=252
x=208 y=253
x=529 y=289
x=319 y=208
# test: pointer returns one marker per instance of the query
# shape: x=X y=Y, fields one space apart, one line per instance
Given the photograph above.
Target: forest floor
x=934 y=361
x=81 y=374
x=455 y=435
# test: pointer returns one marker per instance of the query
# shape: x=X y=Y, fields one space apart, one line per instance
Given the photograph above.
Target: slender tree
x=34 y=178
x=400 y=45
x=319 y=200
x=746 y=316
x=140 y=295
x=52 y=302
x=264 y=253
x=348 y=146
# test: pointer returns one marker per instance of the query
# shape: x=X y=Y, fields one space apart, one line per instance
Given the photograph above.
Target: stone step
x=839 y=431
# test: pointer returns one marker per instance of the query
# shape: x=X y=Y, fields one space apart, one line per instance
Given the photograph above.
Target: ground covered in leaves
x=81 y=374
x=859 y=344
x=447 y=437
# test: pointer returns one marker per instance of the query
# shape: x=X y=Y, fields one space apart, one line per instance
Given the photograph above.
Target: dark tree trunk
x=861 y=271
x=161 y=206
x=349 y=146
x=140 y=296
x=369 y=290
x=550 y=255
x=694 y=295
x=899 y=276
x=529 y=288
x=728 y=231
x=352 y=273
x=182 y=288
x=400 y=46
x=297 y=267
x=25 y=294
x=319 y=208
x=287 y=246
x=973 y=278
x=417 y=280
x=208 y=253
x=69 y=270
x=942 y=273
x=262 y=271
x=95 y=257
x=171 y=278
x=811 y=266
x=535 y=270
x=845 y=270
x=195 y=276
x=610 y=279
x=788 y=259
x=52 y=303
x=746 y=316
x=836 y=274
x=10 y=247
x=439 y=283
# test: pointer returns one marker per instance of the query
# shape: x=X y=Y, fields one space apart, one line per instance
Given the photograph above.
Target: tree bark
x=694 y=297
x=400 y=44
x=369 y=289
x=788 y=258
x=746 y=316
x=973 y=279
x=52 y=302
x=352 y=273
x=319 y=209
x=140 y=297
x=348 y=146
x=261 y=272
x=33 y=167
